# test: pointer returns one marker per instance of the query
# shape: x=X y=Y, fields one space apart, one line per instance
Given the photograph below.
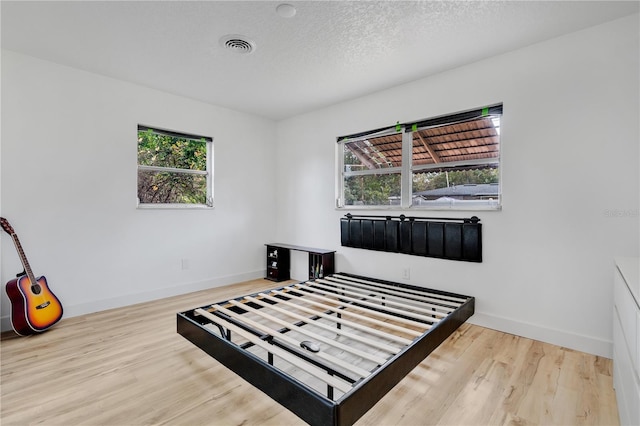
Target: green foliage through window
x=443 y=179
x=173 y=168
x=372 y=190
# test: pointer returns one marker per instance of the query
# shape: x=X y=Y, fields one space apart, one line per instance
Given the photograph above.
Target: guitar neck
x=23 y=258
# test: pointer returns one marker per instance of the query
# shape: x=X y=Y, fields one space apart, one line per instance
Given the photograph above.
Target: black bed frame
x=307 y=403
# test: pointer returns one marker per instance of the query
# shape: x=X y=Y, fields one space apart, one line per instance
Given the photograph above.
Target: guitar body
x=34 y=308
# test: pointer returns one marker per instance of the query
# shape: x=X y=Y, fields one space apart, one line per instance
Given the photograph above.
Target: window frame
x=382 y=171
x=208 y=173
x=407 y=169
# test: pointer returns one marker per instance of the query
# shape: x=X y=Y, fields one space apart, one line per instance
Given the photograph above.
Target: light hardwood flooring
x=128 y=366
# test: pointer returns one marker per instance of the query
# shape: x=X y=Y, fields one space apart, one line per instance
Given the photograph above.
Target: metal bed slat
x=408 y=290
x=315 y=323
x=295 y=343
x=338 y=320
x=298 y=362
x=354 y=315
x=378 y=360
x=386 y=299
x=389 y=295
x=450 y=304
x=384 y=303
x=363 y=308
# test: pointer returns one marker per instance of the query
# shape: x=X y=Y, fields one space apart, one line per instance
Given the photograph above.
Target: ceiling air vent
x=237 y=43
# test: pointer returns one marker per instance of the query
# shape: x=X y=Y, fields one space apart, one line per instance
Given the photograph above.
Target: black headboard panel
x=445 y=238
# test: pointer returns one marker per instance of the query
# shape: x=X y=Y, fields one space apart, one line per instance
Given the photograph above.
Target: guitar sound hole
x=36 y=289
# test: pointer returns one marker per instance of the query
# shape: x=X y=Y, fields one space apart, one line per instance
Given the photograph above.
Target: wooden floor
x=128 y=366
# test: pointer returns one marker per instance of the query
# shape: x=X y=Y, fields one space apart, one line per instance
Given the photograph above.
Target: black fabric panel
x=405 y=236
x=378 y=234
x=367 y=234
x=453 y=240
x=429 y=237
x=472 y=242
x=355 y=233
x=344 y=232
x=435 y=238
x=391 y=236
x=419 y=238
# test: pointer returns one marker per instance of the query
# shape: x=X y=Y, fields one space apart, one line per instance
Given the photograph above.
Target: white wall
x=69 y=189
x=570 y=160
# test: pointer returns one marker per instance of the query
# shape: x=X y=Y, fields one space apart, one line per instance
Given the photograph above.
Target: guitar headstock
x=6 y=226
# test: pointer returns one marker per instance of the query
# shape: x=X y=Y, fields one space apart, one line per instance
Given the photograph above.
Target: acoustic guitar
x=34 y=307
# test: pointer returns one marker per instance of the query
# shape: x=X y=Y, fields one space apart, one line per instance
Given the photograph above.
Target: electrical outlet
x=406 y=273
x=185 y=264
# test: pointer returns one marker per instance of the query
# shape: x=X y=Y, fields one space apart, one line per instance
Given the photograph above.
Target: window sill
x=459 y=206
x=174 y=207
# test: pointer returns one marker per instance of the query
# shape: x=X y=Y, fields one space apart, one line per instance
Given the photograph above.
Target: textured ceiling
x=330 y=51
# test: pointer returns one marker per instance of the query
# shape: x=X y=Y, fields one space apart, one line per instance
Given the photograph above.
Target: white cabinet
x=626 y=339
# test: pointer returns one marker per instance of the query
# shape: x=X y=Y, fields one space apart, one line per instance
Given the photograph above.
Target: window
x=372 y=170
x=174 y=169
x=449 y=162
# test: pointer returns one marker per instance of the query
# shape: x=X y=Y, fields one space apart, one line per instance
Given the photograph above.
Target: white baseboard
x=131 y=299
x=578 y=342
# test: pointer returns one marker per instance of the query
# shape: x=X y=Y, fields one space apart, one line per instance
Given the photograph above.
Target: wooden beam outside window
x=430 y=150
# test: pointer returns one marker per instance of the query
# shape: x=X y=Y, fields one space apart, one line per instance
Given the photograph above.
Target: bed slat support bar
x=313 y=370
x=399 y=312
x=315 y=323
x=339 y=315
x=339 y=321
x=353 y=305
